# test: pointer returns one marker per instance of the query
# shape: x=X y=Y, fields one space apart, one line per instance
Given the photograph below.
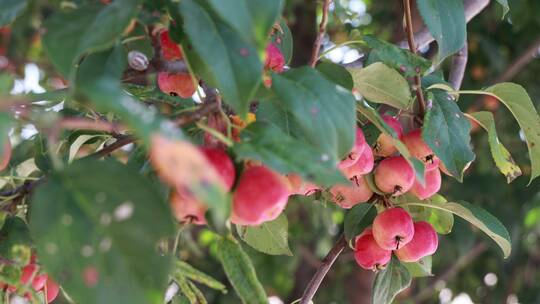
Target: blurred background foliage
x=467 y=268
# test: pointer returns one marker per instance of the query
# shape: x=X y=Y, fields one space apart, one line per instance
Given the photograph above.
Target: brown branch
x=451 y=272
x=457 y=70
x=516 y=66
x=412 y=47
x=320 y=36
x=74 y=123
x=326 y=264
x=423 y=37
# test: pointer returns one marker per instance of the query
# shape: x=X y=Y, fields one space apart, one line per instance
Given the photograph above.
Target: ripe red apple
x=393 y=228
x=51 y=290
x=39 y=282
x=424 y=242
x=346 y=196
x=394 y=175
x=169 y=48
x=176 y=84
x=6 y=156
x=187 y=209
x=419 y=149
x=261 y=196
x=363 y=165
x=300 y=186
x=368 y=254
x=358 y=148
x=432 y=185
x=274 y=58
x=385 y=143
x=222 y=163
x=28 y=272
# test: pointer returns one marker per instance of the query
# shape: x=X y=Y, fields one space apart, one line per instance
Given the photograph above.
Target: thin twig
x=516 y=66
x=412 y=47
x=451 y=272
x=320 y=36
x=457 y=70
x=74 y=123
x=326 y=264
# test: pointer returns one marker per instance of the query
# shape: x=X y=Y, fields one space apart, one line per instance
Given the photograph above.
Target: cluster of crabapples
x=33 y=279
x=260 y=194
x=393 y=229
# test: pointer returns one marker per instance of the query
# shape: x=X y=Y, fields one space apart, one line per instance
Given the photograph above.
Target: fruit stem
x=412 y=47
x=320 y=36
x=326 y=264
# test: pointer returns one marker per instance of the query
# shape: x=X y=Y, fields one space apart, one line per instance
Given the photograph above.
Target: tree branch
x=412 y=47
x=451 y=272
x=423 y=37
x=516 y=66
x=457 y=70
x=320 y=36
x=326 y=264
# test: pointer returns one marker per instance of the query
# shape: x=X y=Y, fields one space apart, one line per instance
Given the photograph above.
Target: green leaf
x=336 y=73
x=389 y=282
x=265 y=142
x=251 y=19
x=447 y=132
x=475 y=215
x=231 y=64
x=516 y=99
x=421 y=268
x=395 y=57
x=445 y=20
x=102 y=217
x=198 y=276
x=357 y=219
x=502 y=157
x=441 y=220
x=6 y=123
x=92 y=28
x=11 y=9
x=15 y=242
x=6 y=83
x=270 y=237
x=323 y=112
x=505 y=6
x=240 y=272
x=375 y=118
x=381 y=84
x=283 y=40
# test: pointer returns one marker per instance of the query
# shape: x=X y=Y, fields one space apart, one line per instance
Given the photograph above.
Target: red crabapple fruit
x=274 y=59
x=51 y=290
x=385 y=143
x=368 y=254
x=432 y=185
x=176 y=84
x=261 y=196
x=419 y=149
x=169 y=48
x=359 y=146
x=393 y=228
x=300 y=186
x=188 y=209
x=394 y=175
x=346 y=196
x=424 y=242
x=222 y=163
x=363 y=165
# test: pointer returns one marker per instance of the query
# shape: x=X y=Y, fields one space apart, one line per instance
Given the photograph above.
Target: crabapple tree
x=157 y=123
